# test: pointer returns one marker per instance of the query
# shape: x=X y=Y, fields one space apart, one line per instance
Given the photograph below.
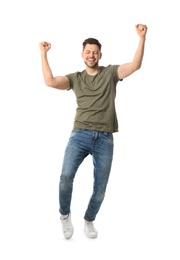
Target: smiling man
x=94 y=124
x=91 y=53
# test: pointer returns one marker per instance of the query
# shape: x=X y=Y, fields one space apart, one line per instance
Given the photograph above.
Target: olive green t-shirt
x=95 y=96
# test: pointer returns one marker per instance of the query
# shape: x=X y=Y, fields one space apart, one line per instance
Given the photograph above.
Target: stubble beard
x=93 y=66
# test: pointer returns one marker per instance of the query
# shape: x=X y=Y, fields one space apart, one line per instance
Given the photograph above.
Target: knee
x=65 y=181
x=99 y=195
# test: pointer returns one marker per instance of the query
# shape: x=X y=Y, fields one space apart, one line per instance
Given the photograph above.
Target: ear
x=100 y=55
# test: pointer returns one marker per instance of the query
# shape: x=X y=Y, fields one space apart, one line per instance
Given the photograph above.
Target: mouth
x=91 y=60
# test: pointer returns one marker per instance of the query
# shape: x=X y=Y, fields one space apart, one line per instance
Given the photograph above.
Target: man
x=94 y=124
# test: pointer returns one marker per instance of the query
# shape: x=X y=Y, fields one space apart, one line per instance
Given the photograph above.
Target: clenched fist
x=44 y=46
x=141 y=30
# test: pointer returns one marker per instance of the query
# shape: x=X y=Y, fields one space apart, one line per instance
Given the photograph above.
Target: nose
x=92 y=54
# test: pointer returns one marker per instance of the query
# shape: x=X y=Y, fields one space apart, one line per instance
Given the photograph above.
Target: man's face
x=91 y=55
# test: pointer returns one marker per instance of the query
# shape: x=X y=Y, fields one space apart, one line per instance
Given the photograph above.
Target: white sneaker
x=90 y=230
x=67 y=226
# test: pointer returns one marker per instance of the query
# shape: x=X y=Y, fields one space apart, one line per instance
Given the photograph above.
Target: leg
x=74 y=155
x=102 y=158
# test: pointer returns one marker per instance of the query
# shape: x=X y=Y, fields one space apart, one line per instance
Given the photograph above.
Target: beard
x=91 y=66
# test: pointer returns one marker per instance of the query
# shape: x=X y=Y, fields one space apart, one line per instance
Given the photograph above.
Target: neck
x=92 y=71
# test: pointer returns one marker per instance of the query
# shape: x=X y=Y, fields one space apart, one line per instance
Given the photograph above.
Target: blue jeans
x=82 y=143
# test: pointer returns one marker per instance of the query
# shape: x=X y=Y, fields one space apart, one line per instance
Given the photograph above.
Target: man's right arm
x=59 y=82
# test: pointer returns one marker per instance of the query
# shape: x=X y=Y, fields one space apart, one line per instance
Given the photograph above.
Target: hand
x=141 y=30
x=44 y=46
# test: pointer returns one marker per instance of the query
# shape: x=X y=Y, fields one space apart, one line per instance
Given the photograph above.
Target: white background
x=139 y=218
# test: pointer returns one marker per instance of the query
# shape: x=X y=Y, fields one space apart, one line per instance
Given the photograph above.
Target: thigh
x=102 y=157
x=75 y=153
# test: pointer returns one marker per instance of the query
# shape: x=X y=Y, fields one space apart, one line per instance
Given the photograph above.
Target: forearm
x=138 y=57
x=47 y=73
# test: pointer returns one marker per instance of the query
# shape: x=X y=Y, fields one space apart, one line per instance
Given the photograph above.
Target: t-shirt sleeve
x=115 y=67
x=71 y=79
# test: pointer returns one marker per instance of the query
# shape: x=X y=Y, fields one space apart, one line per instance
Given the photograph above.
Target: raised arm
x=127 y=69
x=59 y=82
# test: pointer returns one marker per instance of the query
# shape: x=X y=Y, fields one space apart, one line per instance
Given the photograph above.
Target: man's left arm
x=127 y=69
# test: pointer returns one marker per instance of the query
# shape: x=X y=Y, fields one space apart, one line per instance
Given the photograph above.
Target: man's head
x=91 y=41
x=91 y=53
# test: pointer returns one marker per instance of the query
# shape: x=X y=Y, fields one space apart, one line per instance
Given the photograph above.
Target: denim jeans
x=100 y=146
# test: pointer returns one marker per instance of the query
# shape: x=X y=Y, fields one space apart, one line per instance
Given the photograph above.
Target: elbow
x=49 y=85
x=137 y=66
x=49 y=82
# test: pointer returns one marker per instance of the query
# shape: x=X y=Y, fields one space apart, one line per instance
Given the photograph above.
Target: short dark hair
x=91 y=41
